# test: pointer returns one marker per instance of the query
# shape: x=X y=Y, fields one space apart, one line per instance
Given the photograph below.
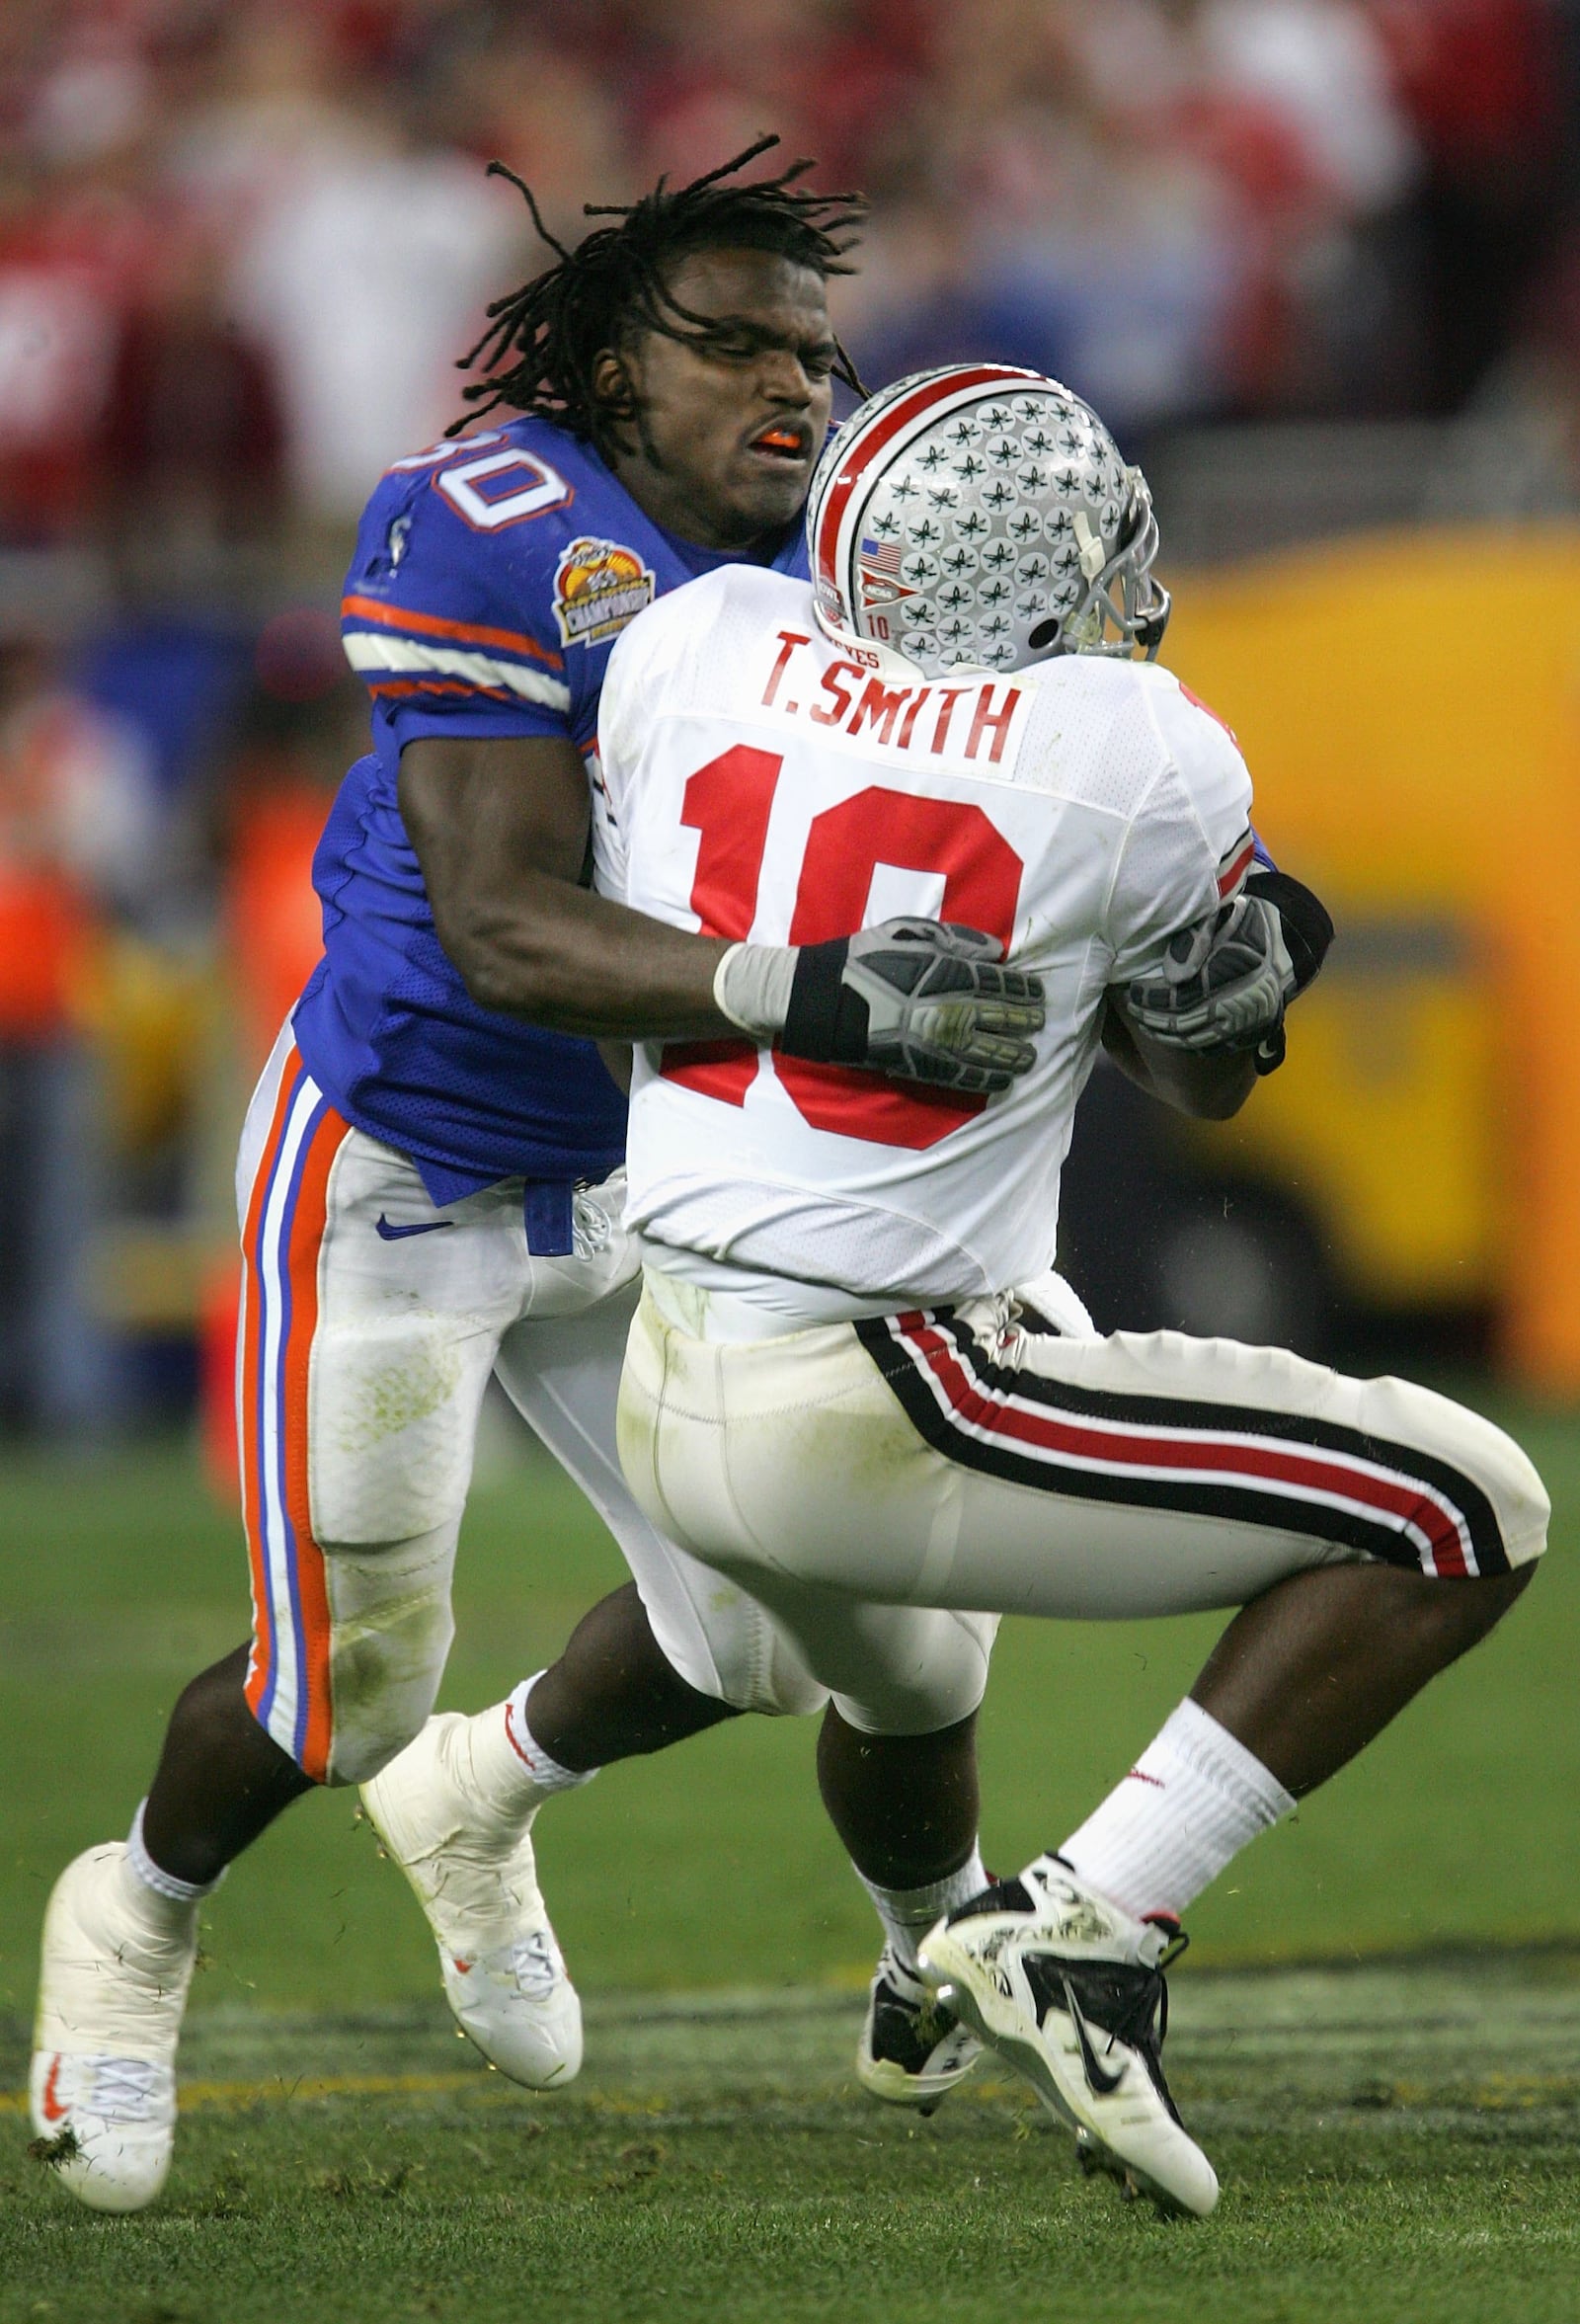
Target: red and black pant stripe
x=1241 y=1464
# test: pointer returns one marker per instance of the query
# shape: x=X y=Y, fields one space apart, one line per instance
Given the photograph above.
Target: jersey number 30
x=729 y=801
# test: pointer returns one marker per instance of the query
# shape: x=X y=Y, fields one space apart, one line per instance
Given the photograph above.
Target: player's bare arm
x=1197 y=1034
x=500 y=832
x=713 y=424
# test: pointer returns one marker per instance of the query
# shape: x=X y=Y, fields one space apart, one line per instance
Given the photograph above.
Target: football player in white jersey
x=854 y=1385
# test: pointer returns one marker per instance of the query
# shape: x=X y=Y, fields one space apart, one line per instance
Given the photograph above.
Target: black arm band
x=822 y=1021
x=1308 y=930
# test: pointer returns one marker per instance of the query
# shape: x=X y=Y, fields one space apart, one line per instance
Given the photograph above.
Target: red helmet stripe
x=883 y=431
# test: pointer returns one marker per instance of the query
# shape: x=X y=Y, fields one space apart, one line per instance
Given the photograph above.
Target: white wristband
x=751 y=986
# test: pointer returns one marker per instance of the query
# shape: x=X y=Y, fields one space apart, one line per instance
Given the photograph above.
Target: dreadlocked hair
x=613 y=286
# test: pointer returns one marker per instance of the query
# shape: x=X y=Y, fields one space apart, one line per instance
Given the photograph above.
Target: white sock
x=514 y=1770
x=1193 y=1800
x=908 y=1914
x=167 y=1903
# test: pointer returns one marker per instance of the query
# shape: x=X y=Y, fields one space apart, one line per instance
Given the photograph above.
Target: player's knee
x=723 y=1643
x=770 y=1679
x=922 y=1693
x=391 y=1629
x=1469 y=1607
x=1484 y=1483
x=1471 y=1610
x=1443 y=1617
x=208 y=1706
x=781 y=1693
x=1522 y=1505
x=386 y=1681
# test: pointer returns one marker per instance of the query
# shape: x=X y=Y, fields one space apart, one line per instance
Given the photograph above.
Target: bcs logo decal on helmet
x=599 y=586
x=830 y=603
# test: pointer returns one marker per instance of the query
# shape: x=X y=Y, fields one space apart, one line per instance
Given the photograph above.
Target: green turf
x=712 y=1864
x=1395 y=2144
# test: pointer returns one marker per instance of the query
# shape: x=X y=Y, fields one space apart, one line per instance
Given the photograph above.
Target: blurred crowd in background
x=241 y=245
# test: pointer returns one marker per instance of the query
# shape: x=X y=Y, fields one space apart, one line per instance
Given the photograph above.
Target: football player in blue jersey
x=428 y=1182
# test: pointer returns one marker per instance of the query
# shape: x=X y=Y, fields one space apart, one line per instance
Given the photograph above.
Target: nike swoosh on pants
x=388 y=1233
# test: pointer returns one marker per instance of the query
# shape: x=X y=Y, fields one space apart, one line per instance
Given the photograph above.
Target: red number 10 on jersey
x=729 y=801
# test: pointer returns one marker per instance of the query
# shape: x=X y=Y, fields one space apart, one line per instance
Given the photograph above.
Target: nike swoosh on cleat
x=388 y=1233
x=49 y=2105
x=1099 y=2079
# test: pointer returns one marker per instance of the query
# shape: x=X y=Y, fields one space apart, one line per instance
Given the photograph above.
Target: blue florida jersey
x=491 y=580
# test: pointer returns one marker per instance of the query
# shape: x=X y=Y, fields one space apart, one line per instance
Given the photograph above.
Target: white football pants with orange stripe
x=861 y=1478
x=370 y=1322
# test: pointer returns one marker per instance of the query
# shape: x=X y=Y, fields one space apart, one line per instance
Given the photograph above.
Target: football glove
x=919 y=999
x=1224 y=983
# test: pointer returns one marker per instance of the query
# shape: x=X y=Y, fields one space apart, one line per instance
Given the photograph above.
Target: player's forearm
x=578 y=963
x=499 y=829
x=499 y=832
x=1208 y=1085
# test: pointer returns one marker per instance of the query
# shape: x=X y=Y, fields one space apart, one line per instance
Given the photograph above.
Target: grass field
x=1397 y=2137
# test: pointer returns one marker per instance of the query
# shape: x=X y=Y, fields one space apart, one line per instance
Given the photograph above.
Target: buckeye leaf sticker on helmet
x=982 y=515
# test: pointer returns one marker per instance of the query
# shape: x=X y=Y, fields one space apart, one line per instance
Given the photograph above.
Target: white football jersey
x=759 y=781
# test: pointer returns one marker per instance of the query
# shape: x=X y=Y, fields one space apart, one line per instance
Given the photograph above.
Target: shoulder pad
x=452 y=591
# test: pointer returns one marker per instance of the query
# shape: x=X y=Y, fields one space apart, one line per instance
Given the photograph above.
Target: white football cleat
x=1069 y=1990
x=117 y=1962
x=913 y=2050
x=471 y=1867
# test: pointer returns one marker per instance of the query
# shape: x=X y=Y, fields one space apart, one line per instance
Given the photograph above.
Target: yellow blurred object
x=1382 y=1129
x=149 y=1009
x=1409 y=707
x=151 y=1276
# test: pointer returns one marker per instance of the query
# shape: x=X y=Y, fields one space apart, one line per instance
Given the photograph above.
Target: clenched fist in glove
x=916 y=998
x=1225 y=983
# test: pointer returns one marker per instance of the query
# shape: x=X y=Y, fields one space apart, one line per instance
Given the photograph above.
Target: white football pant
x=371 y=1324
x=861 y=1478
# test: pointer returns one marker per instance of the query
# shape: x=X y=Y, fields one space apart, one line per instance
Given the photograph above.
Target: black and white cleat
x=1069 y=1990
x=913 y=2050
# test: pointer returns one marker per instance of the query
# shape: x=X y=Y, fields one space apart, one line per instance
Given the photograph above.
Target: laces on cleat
x=536 y=1965
x=125 y=2089
x=1176 y=1940
x=1118 y=2003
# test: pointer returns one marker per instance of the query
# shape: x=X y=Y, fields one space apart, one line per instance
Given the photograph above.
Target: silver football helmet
x=980 y=514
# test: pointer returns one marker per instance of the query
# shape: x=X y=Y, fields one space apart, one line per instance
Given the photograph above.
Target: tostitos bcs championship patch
x=599 y=586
